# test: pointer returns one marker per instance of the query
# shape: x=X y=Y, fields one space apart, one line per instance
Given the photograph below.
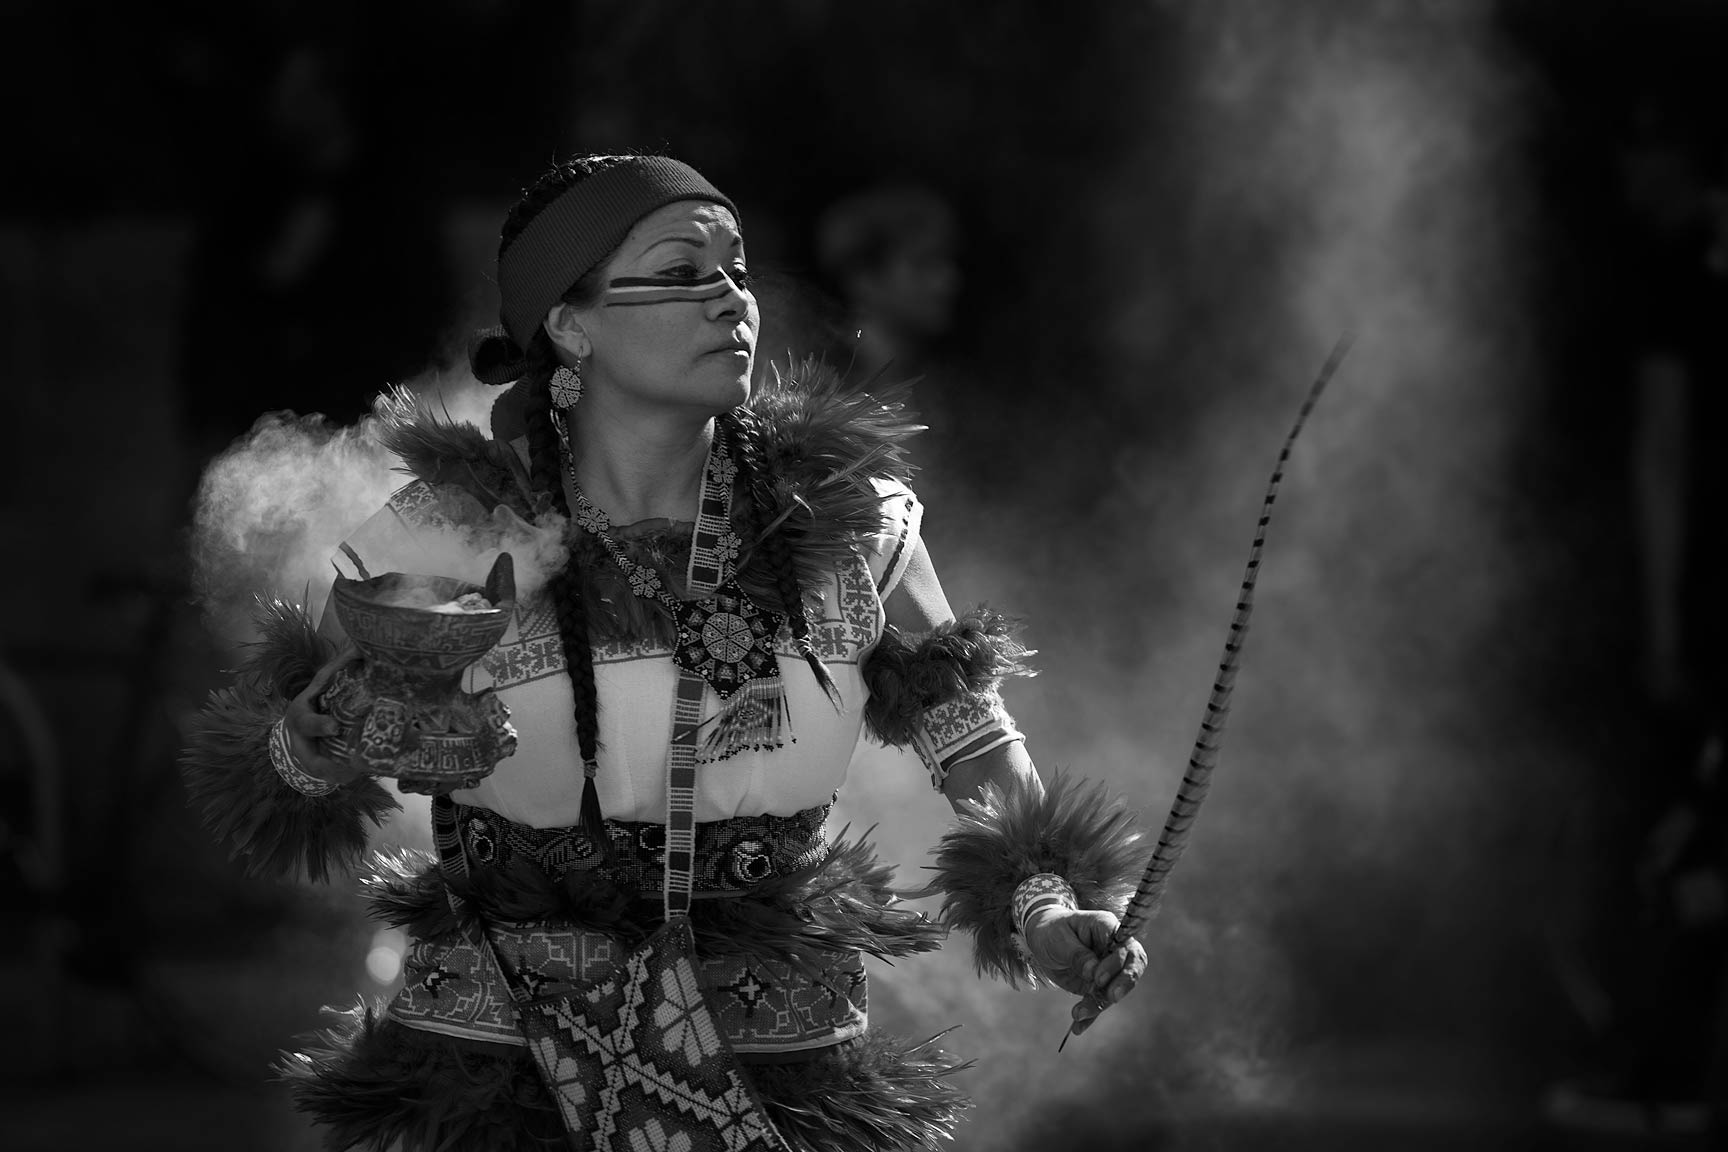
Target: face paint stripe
x=662 y=296
x=631 y=290
x=665 y=281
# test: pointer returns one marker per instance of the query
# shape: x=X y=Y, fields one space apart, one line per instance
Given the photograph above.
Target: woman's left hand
x=1072 y=948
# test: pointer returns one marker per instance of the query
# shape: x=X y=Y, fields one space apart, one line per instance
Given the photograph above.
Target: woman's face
x=675 y=324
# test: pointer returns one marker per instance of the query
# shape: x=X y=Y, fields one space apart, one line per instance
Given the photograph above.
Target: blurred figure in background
x=888 y=252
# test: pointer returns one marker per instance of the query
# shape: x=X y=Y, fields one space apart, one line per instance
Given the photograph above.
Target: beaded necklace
x=724 y=637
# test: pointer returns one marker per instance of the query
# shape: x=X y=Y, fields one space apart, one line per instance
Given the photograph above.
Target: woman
x=750 y=567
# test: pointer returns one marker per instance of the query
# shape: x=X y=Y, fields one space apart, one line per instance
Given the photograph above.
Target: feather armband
x=909 y=675
x=226 y=763
x=936 y=691
x=1074 y=830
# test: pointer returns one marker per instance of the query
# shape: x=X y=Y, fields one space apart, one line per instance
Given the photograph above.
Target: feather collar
x=821 y=441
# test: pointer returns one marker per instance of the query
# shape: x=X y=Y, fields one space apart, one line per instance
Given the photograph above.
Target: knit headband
x=575 y=232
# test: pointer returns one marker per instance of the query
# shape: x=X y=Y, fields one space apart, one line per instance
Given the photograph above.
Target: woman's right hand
x=306 y=724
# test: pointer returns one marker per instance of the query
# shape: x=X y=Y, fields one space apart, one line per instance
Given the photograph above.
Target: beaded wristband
x=1035 y=892
x=288 y=767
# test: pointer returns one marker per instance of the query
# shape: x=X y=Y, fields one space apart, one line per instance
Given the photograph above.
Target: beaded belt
x=732 y=856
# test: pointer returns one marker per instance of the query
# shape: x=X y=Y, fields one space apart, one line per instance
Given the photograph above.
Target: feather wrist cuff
x=1074 y=830
x=228 y=767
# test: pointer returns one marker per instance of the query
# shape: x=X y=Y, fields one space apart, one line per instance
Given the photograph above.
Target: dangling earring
x=567 y=386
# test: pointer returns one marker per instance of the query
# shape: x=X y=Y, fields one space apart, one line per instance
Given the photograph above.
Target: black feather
x=274 y=829
x=226 y=767
x=845 y=902
x=447 y=452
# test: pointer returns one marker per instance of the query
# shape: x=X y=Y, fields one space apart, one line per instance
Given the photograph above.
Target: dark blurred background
x=1460 y=879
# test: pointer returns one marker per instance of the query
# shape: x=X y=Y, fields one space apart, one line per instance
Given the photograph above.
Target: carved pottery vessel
x=402 y=710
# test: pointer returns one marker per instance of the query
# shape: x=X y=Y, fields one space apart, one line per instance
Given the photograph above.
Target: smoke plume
x=273 y=509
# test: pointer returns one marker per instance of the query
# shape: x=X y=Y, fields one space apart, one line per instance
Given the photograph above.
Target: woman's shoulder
x=445 y=455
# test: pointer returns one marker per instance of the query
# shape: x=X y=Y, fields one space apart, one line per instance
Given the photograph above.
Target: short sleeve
x=891 y=550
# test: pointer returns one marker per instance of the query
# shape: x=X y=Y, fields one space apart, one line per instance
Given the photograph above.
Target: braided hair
x=546 y=476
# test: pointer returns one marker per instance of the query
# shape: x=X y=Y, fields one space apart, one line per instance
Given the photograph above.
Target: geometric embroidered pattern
x=950 y=725
x=766 y=1005
x=452 y=985
x=960 y=729
x=727 y=639
x=448 y=987
x=419 y=505
x=761 y=1005
x=749 y=991
x=636 y=1064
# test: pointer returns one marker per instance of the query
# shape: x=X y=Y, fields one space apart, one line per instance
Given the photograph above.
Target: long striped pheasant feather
x=1149 y=895
x=1198 y=778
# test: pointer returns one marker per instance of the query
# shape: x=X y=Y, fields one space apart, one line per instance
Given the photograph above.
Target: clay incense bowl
x=391 y=621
